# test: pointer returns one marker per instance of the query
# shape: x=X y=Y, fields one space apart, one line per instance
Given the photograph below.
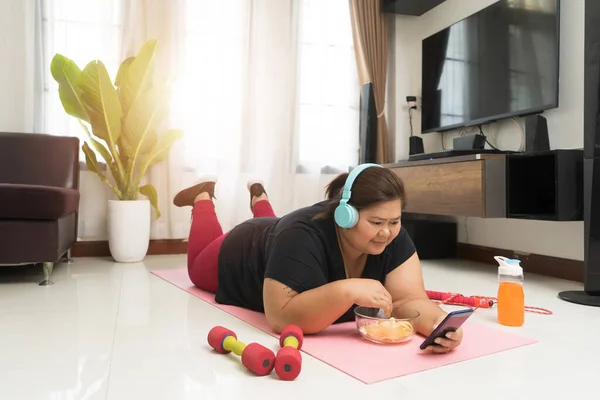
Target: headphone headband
x=347 y=192
x=345 y=215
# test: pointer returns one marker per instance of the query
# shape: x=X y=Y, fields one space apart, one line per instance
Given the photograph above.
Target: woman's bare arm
x=405 y=284
x=313 y=310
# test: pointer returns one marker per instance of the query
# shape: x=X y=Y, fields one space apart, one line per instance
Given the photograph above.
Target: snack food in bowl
x=374 y=325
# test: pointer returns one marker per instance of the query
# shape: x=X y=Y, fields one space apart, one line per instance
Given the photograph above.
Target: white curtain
x=39 y=72
x=83 y=31
x=259 y=92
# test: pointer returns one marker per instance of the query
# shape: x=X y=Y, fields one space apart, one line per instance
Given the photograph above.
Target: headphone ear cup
x=354 y=216
x=345 y=216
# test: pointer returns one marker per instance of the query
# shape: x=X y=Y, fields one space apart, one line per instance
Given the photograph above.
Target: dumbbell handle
x=291 y=341
x=230 y=343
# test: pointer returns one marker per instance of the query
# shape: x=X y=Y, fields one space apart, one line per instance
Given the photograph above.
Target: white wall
x=565 y=124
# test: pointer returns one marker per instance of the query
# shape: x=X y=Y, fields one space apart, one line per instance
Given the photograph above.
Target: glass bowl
x=374 y=325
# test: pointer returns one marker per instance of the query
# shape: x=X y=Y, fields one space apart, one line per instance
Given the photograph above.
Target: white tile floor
x=114 y=331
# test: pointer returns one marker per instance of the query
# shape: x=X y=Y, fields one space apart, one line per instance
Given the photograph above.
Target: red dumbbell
x=288 y=362
x=255 y=357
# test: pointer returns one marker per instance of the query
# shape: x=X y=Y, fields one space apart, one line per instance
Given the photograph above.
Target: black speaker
x=536 y=134
x=591 y=163
x=415 y=145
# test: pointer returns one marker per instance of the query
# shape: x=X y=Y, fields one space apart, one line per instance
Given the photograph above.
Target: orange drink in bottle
x=511 y=296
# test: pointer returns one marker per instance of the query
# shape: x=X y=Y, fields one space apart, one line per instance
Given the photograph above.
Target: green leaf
x=122 y=68
x=146 y=114
x=150 y=192
x=163 y=146
x=118 y=80
x=92 y=164
x=102 y=102
x=67 y=74
x=160 y=150
x=104 y=109
x=137 y=76
x=99 y=147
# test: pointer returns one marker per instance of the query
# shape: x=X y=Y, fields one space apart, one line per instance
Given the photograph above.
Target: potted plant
x=123 y=122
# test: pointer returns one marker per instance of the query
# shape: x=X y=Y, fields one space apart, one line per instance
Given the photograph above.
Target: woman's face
x=376 y=228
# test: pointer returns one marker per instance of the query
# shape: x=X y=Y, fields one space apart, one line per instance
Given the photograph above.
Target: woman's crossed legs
x=206 y=234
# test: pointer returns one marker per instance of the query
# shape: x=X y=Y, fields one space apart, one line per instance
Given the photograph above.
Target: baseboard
x=555 y=267
x=99 y=248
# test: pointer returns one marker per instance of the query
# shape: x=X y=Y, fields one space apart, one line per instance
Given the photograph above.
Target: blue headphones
x=345 y=215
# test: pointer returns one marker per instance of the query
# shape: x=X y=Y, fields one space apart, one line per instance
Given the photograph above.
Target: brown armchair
x=39 y=199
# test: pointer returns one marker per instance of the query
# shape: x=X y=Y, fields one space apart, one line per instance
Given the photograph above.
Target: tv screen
x=500 y=62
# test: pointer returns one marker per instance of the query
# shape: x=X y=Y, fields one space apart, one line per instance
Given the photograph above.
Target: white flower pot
x=128 y=229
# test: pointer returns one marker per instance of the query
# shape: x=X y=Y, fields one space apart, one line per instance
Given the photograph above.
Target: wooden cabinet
x=473 y=185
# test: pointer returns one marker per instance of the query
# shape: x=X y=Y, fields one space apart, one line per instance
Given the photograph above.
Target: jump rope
x=475 y=302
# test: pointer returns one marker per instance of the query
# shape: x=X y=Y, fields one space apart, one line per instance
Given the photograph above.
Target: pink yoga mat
x=342 y=347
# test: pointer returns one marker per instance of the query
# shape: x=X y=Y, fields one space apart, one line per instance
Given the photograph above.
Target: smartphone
x=451 y=323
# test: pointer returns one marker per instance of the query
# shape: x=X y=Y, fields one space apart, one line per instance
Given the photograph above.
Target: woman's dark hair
x=371 y=186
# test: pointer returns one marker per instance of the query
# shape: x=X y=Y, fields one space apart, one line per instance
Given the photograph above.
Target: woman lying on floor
x=312 y=266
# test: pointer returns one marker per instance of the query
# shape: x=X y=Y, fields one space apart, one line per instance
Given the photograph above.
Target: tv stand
x=543 y=185
x=455 y=153
x=471 y=185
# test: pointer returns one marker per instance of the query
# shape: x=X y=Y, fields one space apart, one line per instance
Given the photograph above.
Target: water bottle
x=511 y=297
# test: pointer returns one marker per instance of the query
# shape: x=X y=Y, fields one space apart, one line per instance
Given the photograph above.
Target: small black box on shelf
x=545 y=185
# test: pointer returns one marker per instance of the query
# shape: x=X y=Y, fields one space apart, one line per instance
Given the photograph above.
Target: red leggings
x=206 y=236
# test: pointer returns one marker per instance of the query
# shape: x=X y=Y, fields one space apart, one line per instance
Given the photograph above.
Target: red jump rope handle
x=456 y=298
x=476 y=301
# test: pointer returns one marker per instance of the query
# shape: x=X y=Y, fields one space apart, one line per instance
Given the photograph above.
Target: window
x=210 y=92
x=208 y=96
x=329 y=90
x=82 y=31
x=213 y=85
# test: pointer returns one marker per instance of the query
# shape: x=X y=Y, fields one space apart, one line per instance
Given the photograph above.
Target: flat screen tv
x=498 y=63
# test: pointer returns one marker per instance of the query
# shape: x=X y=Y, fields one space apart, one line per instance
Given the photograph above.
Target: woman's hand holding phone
x=447 y=343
